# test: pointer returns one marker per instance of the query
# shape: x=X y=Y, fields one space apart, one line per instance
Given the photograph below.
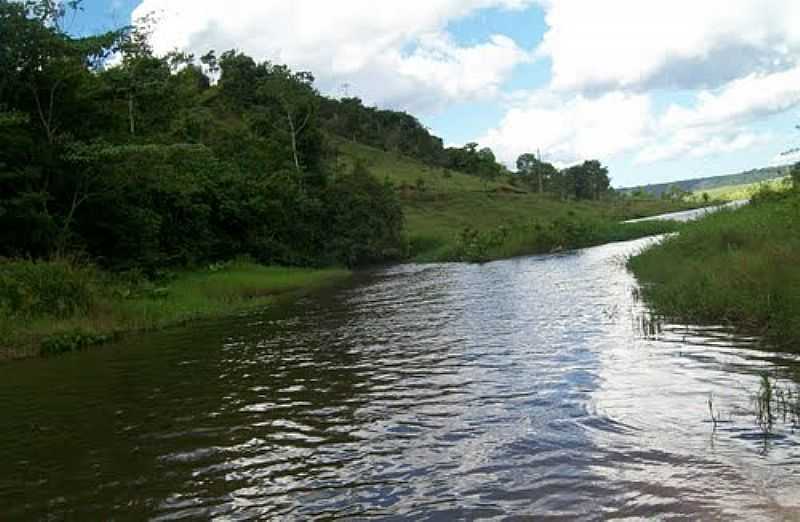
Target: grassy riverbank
x=737 y=267
x=61 y=306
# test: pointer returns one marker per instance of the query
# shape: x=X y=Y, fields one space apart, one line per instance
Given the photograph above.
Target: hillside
x=746 y=191
x=439 y=204
x=714 y=182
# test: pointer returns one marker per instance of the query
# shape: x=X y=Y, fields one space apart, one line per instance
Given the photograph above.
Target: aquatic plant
x=774 y=402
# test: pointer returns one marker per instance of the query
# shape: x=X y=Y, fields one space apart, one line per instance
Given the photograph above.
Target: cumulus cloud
x=717 y=122
x=735 y=60
x=395 y=53
x=572 y=127
x=635 y=44
x=568 y=130
x=741 y=101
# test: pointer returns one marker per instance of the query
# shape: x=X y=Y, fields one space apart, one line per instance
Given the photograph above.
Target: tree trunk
x=46 y=118
x=61 y=243
x=293 y=133
x=130 y=114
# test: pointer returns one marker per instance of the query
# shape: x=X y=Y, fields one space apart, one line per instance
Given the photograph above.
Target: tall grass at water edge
x=735 y=267
x=58 y=306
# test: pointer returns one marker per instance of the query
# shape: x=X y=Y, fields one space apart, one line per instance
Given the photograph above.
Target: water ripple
x=535 y=387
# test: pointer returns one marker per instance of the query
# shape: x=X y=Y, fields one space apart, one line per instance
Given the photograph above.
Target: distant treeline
x=400 y=132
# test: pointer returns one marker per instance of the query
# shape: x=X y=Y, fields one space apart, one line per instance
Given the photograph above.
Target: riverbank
x=61 y=306
x=541 y=237
x=735 y=267
x=452 y=216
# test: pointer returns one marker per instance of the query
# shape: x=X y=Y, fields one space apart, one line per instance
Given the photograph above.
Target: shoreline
x=192 y=295
x=231 y=288
x=737 y=267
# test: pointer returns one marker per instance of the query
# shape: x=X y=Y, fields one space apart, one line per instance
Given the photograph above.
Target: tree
x=43 y=67
x=539 y=174
x=588 y=180
x=295 y=94
x=366 y=219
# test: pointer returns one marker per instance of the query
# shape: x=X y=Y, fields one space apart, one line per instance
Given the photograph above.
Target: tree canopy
x=146 y=161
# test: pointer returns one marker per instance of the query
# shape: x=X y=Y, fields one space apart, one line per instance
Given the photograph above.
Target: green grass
x=119 y=307
x=746 y=191
x=451 y=202
x=735 y=267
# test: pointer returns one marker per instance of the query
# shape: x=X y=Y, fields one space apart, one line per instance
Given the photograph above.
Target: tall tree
x=533 y=168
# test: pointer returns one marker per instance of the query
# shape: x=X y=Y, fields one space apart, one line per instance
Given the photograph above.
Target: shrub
x=365 y=219
x=73 y=341
x=36 y=289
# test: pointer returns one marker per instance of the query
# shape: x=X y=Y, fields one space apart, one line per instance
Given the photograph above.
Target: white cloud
x=718 y=121
x=568 y=130
x=638 y=44
x=741 y=101
x=698 y=142
x=610 y=58
x=391 y=52
x=574 y=127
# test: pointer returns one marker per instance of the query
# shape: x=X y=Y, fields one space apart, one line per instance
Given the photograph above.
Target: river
x=533 y=387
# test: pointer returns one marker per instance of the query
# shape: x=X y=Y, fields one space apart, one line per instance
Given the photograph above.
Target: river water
x=534 y=387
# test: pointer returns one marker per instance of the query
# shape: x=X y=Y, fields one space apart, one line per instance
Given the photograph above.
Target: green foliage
x=746 y=191
x=474 y=161
x=365 y=218
x=543 y=237
x=735 y=267
x=37 y=289
x=715 y=184
x=476 y=246
x=588 y=180
x=130 y=301
x=385 y=130
x=145 y=164
x=72 y=341
x=537 y=174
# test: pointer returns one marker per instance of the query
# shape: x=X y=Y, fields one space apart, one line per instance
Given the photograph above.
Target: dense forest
x=145 y=163
x=139 y=160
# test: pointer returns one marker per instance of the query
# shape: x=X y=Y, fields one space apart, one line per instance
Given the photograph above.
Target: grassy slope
x=452 y=200
x=708 y=184
x=737 y=267
x=745 y=191
x=191 y=295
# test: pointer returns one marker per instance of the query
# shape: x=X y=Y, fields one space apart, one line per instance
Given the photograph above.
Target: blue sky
x=657 y=90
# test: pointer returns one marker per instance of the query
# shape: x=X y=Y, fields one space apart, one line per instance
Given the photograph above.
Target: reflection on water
x=535 y=386
x=691 y=215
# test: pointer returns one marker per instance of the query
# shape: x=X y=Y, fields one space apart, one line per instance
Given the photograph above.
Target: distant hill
x=715 y=182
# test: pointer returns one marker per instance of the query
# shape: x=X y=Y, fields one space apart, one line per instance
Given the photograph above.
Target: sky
x=658 y=90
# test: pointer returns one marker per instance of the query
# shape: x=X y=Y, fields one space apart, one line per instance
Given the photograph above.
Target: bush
x=366 y=220
x=37 y=289
x=71 y=342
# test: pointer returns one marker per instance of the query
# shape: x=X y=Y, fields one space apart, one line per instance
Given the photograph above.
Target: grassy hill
x=745 y=191
x=713 y=183
x=439 y=204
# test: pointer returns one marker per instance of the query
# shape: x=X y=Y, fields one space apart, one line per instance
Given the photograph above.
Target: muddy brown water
x=533 y=388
